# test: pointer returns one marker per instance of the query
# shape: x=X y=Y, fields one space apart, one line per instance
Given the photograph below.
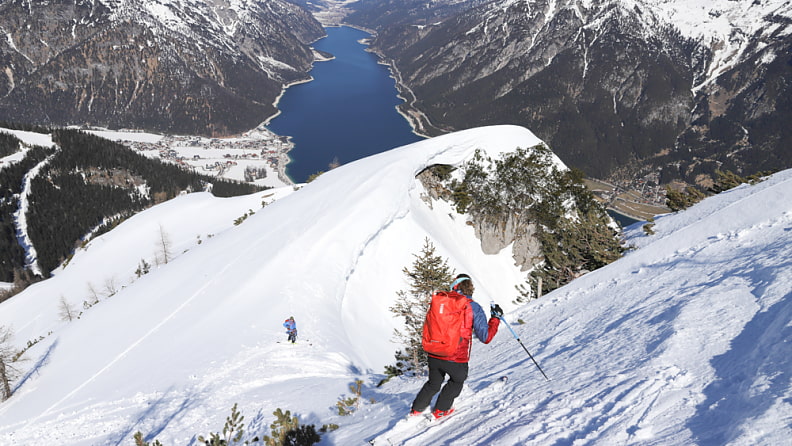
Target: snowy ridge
x=733 y=30
x=684 y=341
x=225 y=21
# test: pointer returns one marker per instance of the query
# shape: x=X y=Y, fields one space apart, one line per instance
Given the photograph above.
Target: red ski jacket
x=475 y=322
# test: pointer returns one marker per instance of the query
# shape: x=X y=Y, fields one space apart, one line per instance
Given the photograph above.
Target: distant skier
x=291 y=329
x=456 y=365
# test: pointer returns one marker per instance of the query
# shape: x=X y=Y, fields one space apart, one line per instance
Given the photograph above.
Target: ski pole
x=523 y=346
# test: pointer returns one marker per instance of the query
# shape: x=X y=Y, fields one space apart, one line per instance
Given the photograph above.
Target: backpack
x=443 y=321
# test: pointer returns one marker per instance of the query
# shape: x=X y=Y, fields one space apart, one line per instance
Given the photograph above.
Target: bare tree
x=93 y=295
x=67 y=311
x=110 y=286
x=164 y=244
x=6 y=357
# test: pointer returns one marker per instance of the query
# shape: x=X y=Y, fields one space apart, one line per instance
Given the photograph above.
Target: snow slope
x=684 y=341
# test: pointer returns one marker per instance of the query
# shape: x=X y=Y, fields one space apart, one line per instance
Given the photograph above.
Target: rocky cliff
x=495 y=234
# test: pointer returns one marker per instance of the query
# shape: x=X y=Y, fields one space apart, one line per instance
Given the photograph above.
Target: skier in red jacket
x=456 y=366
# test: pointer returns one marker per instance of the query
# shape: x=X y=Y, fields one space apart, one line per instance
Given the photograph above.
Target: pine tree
x=287 y=431
x=429 y=273
x=677 y=200
x=232 y=431
x=725 y=180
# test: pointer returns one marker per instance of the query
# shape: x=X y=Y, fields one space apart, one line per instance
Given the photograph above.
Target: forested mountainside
x=188 y=66
x=80 y=187
x=617 y=88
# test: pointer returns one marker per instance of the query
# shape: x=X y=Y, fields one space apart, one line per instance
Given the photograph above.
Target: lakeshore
x=347 y=111
x=639 y=201
x=260 y=155
x=257 y=156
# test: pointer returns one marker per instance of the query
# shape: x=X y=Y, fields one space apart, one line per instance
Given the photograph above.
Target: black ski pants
x=438 y=369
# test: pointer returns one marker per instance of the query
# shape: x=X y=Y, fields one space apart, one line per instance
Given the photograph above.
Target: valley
x=638 y=201
x=673 y=90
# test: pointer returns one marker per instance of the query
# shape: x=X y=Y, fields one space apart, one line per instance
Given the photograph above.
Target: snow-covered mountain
x=683 y=341
x=618 y=88
x=733 y=30
x=187 y=66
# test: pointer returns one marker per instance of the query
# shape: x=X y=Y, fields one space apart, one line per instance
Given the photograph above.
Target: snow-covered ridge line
x=728 y=214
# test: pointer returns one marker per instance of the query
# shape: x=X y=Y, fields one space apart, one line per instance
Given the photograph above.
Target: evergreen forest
x=83 y=188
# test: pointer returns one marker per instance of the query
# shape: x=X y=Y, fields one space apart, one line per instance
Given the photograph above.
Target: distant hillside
x=80 y=188
x=194 y=67
x=379 y=14
x=631 y=90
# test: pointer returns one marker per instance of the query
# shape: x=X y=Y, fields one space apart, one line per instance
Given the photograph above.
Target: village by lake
x=257 y=156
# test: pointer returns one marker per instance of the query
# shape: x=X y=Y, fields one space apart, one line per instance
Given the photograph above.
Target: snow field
x=683 y=341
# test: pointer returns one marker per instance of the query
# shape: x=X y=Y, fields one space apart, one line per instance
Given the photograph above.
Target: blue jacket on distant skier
x=291 y=329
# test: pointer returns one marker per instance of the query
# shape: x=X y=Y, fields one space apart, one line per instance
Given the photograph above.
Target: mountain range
x=623 y=89
x=185 y=67
x=172 y=318
x=630 y=91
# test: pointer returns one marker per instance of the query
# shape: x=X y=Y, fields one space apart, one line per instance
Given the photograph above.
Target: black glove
x=495 y=311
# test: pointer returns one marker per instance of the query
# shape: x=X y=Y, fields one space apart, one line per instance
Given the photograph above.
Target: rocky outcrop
x=595 y=94
x=496 y=232
x=740 y=121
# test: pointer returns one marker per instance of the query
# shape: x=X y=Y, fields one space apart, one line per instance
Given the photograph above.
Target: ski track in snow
x=20 y=216
x=132 y=346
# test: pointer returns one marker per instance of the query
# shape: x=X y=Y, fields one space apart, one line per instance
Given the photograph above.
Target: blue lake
x=346 y=113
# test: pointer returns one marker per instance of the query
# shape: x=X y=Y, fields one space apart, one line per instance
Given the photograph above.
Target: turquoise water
x=346 y=113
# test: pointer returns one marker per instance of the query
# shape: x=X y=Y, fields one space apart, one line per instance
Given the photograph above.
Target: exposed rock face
x=510 y=230
x=608 y=83
x=196 y=67
x=497 y=232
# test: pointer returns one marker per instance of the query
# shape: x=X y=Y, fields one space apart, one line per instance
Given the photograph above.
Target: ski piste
x=415 y=427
